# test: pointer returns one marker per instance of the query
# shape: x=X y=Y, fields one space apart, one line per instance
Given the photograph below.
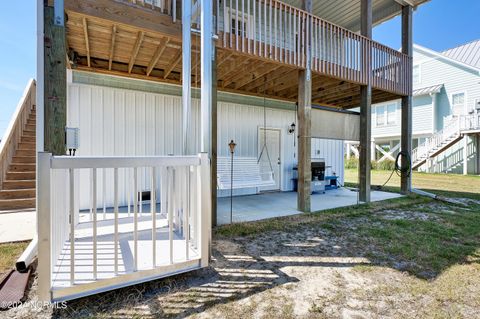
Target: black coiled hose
x=404 y=167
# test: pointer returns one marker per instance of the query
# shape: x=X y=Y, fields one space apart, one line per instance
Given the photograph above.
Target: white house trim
x=441 y=56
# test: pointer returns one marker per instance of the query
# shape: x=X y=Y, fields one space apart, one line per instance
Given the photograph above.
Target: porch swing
x=247 y=172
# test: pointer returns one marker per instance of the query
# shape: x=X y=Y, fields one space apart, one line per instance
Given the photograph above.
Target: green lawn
x=9 y=252
x=443 y=184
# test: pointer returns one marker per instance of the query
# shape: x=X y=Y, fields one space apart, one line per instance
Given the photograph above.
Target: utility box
x=72 y=138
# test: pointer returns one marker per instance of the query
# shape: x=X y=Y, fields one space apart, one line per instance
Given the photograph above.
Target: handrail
x=436 y=140
x=14 y=131
x=280 y=32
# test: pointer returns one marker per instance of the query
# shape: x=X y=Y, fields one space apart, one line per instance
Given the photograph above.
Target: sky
x=438 y=25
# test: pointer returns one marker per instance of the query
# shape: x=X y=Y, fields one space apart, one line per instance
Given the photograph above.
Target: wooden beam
x=257 y=74
x=112 y=46
x=55 y=85
x=158 y=53
x=127 y=15
x=365 y=107
x=136 y=48
x=406 y=128
x=87 y=42
x=173 y=64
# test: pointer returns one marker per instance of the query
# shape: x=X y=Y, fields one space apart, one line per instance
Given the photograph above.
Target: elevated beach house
x=446 y=112
x=137 y=103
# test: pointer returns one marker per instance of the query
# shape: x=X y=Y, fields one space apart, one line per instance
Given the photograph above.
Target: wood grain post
x=304 y=129
x=366 y=106
x=406 y=138
x=55 y=84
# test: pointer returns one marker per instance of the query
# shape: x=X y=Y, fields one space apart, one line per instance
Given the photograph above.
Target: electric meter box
x=72 y=137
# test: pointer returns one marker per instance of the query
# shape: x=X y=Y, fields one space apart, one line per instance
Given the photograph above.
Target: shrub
x=352 y=162
x=385 y=165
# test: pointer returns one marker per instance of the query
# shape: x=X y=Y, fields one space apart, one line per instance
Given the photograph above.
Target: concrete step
x=17 y=193
x=25 y=152
x=18 y=184
x=8 y=204
x=22 y=168
x=23 y=159
x=15 y=176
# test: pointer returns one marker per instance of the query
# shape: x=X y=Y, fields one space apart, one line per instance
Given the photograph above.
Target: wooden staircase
x=17 y=190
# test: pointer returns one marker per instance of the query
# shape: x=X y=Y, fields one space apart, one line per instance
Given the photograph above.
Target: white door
x=270 y=159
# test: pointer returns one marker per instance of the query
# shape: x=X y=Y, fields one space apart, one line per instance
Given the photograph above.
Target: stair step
x=23 y=159
x=27 y=145
x=17 y=193
x=28 y=133
x=28 y=139
x=7 y=204
x=25 y=152
x=22 y=168
x=30 y=127
x=15 y=176
x=20 y=184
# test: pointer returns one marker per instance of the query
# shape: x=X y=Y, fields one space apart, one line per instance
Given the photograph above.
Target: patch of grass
x=449 y=185
x=9 y=253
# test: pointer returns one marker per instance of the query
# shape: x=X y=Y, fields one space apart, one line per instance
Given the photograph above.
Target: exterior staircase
x=17 y=184
x=444 y=139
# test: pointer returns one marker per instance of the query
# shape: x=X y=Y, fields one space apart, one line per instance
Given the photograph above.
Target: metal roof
x=468 y=53
x=428 y=90
x=346 y=13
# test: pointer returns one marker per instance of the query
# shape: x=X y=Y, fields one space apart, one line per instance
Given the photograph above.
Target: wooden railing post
x=44 y=228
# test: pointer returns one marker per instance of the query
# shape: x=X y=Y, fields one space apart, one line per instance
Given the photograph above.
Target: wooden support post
x=304 y=130
x=366 y=107
x=406 y=138
x=55 y=84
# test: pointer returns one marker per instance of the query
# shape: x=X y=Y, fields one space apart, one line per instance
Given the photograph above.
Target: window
x=380 y=111
x=458 y=103
x=416 y=74
x=386 y=114
x=244 y=23
x=391 y=114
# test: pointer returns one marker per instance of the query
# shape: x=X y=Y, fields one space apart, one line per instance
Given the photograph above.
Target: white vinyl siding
x=391 y=114
x=121 y=122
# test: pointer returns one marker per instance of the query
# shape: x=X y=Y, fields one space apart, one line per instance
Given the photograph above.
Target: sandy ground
x=310 y=272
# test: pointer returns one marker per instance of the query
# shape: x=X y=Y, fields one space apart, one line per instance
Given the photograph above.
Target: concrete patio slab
x=17 y=226
x=269 y=205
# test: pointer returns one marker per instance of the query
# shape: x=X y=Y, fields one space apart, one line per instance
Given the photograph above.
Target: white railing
x=470 y=122
x=163 y=6
x=12 y=136
x=179 y=210
x=436 y=140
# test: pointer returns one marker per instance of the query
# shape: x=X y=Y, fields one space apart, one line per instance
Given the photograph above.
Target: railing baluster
x=230 y=24
x=115 y=213
x=72 y=226
x=186 y=208
x=153 y=211
x=104 y=193
x=243 y=25
x=135 y=219
x=94 y=210
x=236 y=25
x=247 y=36
x=171 y=194
x=224 y=23
x=265 y=28
x=254 y=32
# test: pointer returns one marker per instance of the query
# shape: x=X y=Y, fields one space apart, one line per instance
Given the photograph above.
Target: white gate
x=161 y=232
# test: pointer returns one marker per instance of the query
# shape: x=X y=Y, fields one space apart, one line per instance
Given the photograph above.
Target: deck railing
x=12 y=136
x=172 y=237
x=279 y=32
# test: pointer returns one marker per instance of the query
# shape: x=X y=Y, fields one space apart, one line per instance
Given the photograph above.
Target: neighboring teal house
x=446 y=112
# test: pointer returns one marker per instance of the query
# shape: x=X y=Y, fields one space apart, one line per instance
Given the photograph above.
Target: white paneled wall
x=332 y=151
x=119 y=122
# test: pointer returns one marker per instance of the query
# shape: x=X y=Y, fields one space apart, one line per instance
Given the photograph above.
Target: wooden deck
x=142 y=41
